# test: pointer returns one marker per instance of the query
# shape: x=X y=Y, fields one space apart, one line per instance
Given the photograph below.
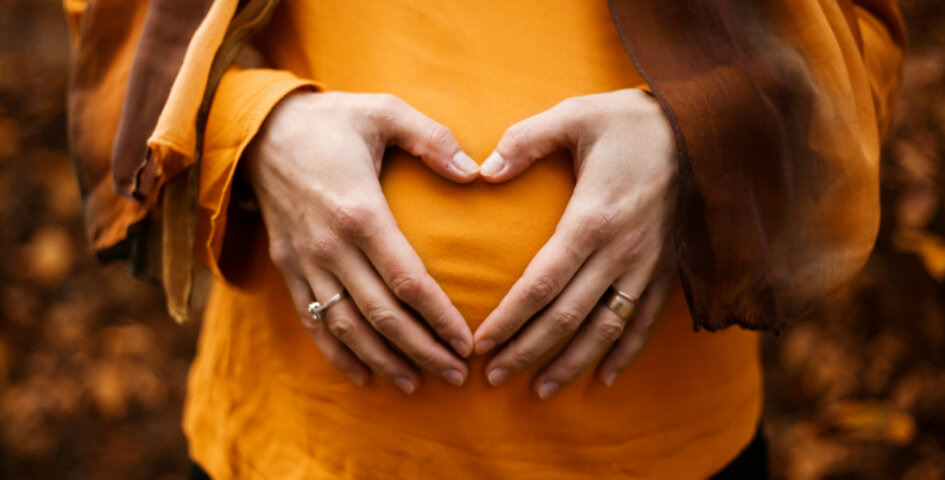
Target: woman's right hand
x=314 y=169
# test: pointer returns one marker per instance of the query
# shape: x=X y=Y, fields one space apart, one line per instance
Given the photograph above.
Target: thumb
x=527 y=141
x=423 y=137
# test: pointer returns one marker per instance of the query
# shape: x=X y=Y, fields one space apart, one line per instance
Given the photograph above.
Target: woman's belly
x=476 y=239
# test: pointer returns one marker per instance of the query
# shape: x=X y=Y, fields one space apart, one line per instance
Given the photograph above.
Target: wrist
x=273 y=132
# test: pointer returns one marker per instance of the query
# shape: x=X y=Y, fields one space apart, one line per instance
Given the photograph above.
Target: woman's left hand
x=616 y=230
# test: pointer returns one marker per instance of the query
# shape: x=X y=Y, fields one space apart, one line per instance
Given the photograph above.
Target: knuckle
x=579 y=108
x=438 y=137
x=629 y=247
x=312 y=325
x=383 y=319
x=572 y=105
x=332 y=357
x=542 y=290
x=566 y=369
x=609 y=331
x=596 y=226
x=424 y=357
x=565 y=321
x=322 y=246
x=342 y=328
x=517 y=138
x=281 y=255
x=387 y=106
x=406 y=286
x=391 y=370
x=521 y=357
x=353 y=218
x=309 y=323
x=388 y=101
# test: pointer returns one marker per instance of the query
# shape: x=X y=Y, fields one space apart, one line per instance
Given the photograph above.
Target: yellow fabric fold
x=175 y=130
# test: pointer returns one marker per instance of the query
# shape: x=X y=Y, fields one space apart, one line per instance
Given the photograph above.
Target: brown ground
x=92 y=371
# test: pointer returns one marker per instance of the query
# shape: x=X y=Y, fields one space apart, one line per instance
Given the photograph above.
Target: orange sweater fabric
x=262 y=402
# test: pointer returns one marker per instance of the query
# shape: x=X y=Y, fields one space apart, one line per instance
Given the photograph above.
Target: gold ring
x=620 y=303
x=317 y=309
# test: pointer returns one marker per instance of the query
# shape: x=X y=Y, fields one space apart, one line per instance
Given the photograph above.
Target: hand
x=614 y=231
x=314 y=169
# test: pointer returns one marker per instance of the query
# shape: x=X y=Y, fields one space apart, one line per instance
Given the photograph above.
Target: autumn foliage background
x=92 y=370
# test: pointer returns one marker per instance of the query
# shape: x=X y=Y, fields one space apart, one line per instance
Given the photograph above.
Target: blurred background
x=92 y=370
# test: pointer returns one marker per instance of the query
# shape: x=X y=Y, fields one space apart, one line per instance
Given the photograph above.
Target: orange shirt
x=264 y=404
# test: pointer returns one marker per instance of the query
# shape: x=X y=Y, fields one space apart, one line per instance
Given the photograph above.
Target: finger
x=384 y=312
x=404 y=274
x=628 y=346
x=345 y=324
x=334 y=352
x=529 y=140
x=598 y=334
x=559 y=321
x=545 y=277
x=423 y=137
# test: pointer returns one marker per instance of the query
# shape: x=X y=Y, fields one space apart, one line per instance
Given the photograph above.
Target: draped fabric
x=105 y=36
x=779 y=145
x=778 y=110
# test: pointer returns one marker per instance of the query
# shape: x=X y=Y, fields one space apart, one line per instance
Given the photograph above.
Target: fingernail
x=547 y=389
x=405 y=384
x=461 y=347
x=493 y=165
x=357 y=377
x=484 y=346
x=498 y=375
x=465 y=164
x=609 y=379
x=453 y=376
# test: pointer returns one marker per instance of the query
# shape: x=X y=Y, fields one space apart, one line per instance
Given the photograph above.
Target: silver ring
x=317 y=309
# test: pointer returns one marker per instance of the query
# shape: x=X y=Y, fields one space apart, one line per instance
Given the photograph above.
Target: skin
x=615 y=231
x=314 y=168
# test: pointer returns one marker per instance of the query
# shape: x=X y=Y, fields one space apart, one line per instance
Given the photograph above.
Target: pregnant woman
x=446 y=236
